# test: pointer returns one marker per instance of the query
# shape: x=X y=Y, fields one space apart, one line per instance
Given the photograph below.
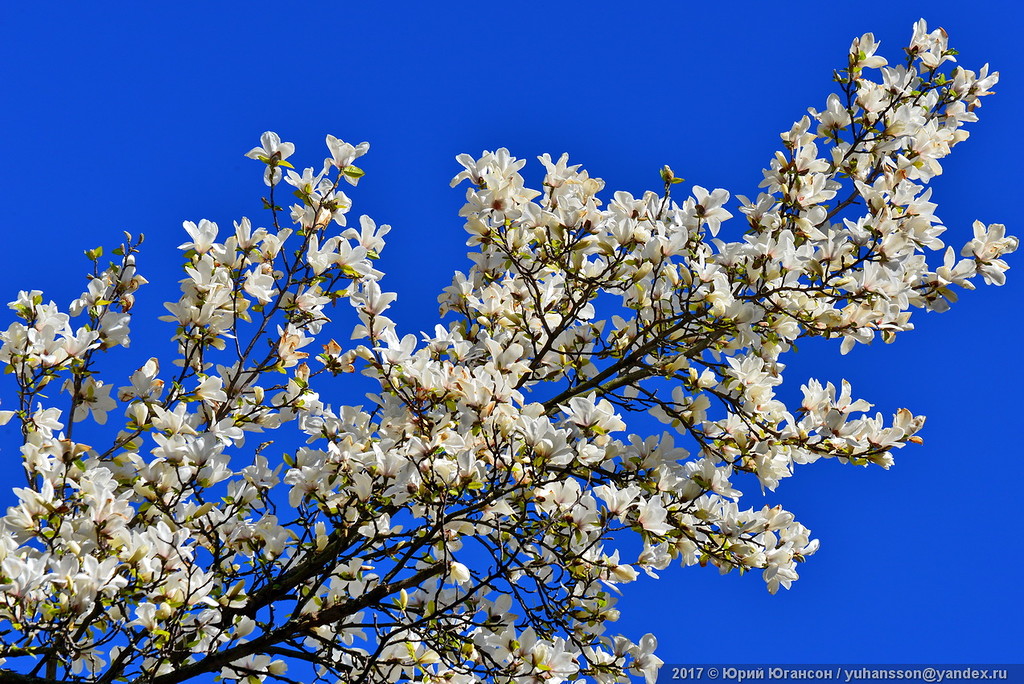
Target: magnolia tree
x=472 y=521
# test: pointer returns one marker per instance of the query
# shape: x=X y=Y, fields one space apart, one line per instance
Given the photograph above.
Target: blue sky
x=135 y=116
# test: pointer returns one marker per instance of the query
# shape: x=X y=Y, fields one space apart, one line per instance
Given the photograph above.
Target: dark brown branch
x=260 y=644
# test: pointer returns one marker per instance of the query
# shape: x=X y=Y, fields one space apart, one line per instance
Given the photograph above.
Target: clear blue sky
x=135 y=116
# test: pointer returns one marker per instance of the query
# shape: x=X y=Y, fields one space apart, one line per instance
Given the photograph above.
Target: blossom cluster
x=469 y=524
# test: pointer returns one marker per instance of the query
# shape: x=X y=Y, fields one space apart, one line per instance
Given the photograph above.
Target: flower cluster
x=468 y=526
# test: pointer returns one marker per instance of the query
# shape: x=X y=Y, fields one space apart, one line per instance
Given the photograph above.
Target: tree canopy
x=473 y=520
